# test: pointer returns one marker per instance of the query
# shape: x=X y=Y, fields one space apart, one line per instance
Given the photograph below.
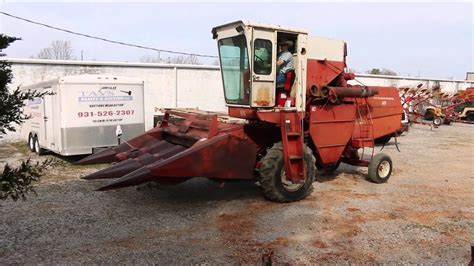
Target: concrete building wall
x=185 y=86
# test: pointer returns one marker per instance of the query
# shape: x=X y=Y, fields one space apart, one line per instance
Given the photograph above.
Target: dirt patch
x=238 y=231
x=319 y=244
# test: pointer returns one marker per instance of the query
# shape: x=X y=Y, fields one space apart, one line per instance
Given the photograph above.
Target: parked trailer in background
x=84 y=113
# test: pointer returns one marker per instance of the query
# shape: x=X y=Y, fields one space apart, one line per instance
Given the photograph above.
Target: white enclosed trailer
x=84 y=113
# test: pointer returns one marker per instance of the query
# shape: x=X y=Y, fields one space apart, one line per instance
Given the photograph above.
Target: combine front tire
x=273 y=179
x=380 y=168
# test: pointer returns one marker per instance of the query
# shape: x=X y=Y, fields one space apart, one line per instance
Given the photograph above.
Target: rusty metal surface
x=322 y=72
x=207 y=158
x=242 y=112
x=354 y=91
x=197 y=146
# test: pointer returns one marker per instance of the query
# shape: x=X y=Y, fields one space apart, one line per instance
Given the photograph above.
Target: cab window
x=235 y=69
x=262 y=57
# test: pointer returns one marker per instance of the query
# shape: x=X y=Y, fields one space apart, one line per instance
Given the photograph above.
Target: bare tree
x=61 y=50
x=384 y=71
x=190 y=60
x=150 y=59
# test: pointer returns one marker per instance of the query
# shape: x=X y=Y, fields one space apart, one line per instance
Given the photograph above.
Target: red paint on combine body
x=331 y=127
x=323 y=72
x=278 y=142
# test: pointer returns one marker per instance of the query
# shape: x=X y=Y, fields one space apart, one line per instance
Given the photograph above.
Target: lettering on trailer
x=34 y=101
x=107 y=120
x=105 y=94
x=106 y=105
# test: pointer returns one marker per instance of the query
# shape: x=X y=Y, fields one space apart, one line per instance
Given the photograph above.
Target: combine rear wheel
x=380 y=168
x=275 y=185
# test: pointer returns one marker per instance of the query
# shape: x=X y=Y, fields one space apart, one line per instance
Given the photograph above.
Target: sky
x=425 y=39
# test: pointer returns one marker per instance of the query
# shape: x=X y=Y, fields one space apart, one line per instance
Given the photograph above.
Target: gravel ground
x=424 y=214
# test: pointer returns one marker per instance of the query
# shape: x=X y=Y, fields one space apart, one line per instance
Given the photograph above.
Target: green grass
x=22 y=147
x=79 y=167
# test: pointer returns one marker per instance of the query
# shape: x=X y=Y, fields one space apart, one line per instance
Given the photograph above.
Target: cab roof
x=247 y=23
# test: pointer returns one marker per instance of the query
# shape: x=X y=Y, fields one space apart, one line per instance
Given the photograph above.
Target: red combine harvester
x=275 y=135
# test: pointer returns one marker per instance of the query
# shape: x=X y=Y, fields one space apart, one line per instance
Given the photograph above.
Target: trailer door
x=48 y=120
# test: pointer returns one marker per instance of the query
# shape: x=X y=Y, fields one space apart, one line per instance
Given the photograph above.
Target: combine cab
x=277 y=134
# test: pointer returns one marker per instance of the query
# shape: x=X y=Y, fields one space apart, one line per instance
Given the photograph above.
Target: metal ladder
x=366 y=128
x=293 y=144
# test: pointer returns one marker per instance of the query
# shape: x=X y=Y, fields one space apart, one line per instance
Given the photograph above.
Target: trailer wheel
x=437 y=121
x=273 y=179
x=31 y=142
x=380 y=168
x=38 y=149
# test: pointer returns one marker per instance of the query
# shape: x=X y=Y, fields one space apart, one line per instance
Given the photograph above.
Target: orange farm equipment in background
x=422 y=105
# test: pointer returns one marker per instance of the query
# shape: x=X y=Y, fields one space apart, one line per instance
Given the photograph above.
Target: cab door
x=263 y=60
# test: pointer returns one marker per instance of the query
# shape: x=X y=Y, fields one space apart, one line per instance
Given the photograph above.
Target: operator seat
x=283 y=90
